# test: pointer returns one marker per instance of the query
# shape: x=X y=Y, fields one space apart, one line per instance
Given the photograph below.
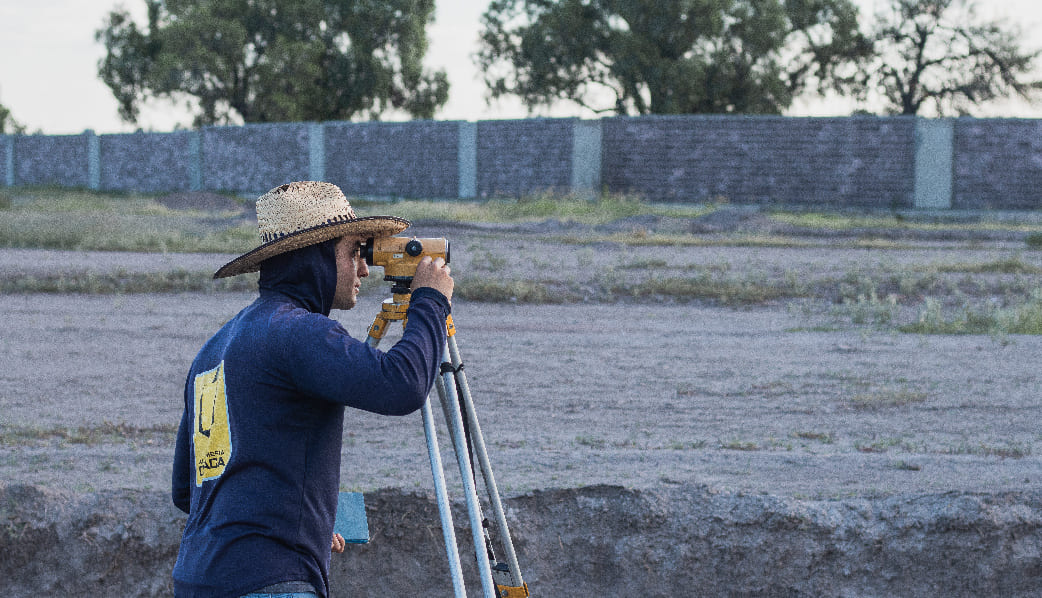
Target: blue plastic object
x=351 y=522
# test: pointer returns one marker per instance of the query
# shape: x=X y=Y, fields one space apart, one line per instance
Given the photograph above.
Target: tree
x=274 y=60
x=8 y=125
x=668 y=56
x=939 y=53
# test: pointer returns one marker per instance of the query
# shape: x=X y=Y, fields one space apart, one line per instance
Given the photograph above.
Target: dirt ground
x=783 y=401
x=773 y=398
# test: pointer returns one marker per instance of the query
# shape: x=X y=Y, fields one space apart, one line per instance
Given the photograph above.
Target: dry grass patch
x=886 y=399
x=105 y=433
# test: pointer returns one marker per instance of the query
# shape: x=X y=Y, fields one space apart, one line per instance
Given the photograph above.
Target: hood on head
x=307 y=275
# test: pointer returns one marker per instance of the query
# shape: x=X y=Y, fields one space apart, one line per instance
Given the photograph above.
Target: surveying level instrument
x=399 y=256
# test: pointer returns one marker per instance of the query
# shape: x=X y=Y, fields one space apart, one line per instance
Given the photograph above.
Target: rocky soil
x=645 y=445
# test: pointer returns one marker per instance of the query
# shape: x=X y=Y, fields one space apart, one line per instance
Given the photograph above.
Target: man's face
x=350 y=270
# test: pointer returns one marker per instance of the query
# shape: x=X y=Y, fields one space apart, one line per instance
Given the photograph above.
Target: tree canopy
x=669 y=56
x=274 y=60
x=8 y=125
x=939 y=53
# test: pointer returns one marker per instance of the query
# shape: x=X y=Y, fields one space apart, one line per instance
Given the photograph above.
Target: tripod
x=498 y=579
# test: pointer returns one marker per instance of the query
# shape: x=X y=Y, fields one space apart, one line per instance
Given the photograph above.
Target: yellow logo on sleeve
x=212 y=440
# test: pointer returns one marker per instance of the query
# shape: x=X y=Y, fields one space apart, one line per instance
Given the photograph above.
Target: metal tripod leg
x=486 y=467
x=446 y=389
x=504 y=580
x=441 y=492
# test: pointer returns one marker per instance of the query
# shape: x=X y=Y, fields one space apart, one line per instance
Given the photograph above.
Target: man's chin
x=345 y=304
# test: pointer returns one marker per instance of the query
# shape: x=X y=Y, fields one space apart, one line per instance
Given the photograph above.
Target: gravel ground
x=769 y=399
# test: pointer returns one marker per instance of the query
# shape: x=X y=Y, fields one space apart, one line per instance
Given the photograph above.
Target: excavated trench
x=598 y=540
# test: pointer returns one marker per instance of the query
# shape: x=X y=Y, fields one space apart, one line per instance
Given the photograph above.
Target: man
x=257 y=460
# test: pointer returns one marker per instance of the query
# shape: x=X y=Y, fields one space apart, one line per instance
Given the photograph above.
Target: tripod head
x=399 y=257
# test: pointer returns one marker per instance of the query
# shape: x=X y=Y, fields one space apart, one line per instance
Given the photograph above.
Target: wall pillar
x=9 y=160
x=467 y=160
x=93 y=160
x=933 y=163
x=586 y=158
x=316 y=152
x=195 y=160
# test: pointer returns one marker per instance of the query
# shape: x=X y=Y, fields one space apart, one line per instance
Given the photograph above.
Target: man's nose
x=363 y=269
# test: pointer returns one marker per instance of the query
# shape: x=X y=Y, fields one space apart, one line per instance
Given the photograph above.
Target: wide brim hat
x=304 y=213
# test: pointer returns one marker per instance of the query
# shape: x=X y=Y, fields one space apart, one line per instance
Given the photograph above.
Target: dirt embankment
x=599 y=540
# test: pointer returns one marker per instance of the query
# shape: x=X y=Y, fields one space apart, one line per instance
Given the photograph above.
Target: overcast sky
x=48 y=65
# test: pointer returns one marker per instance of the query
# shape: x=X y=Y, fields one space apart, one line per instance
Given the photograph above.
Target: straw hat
x=305 y=213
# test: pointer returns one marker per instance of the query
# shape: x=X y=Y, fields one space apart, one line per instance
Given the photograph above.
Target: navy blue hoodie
x=257 y=460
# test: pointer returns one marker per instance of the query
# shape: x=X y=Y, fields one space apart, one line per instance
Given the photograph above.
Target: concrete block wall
x=867 y=161
x=814 y=161
x=52 y=160
x=254 y=158
x=407 y=159
x=997 y=163
x=518 y=157
x=147 y=162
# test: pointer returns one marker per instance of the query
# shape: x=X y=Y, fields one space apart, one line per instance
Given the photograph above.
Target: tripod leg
x=483 y=461
x=444 y=509
x=446 y=389
x=440 y=491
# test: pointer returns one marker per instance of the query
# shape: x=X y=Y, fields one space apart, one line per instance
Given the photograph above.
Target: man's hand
x=338 y=544
x=434 y=274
